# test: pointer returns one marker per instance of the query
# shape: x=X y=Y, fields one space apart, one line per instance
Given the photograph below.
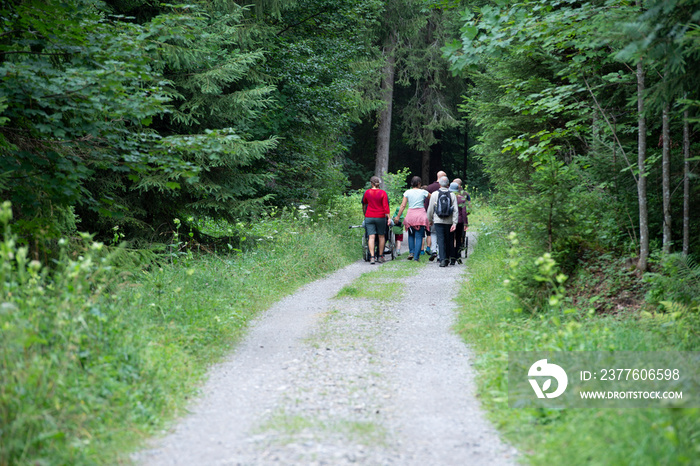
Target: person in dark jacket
x=442 y=226
x=431 y=188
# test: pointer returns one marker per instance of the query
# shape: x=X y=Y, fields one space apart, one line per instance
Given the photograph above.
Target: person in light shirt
x=416 y=221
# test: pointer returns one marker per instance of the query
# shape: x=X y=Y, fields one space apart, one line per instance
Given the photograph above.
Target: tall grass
x=93 y=358
x=488 y=323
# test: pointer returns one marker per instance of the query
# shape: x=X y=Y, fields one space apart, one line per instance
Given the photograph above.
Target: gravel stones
x=332 y=381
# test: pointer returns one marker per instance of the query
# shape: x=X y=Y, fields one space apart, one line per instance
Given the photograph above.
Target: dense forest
x=129 y=113
x=167 y=129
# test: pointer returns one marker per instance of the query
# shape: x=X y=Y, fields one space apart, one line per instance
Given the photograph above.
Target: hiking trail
x=323 y=380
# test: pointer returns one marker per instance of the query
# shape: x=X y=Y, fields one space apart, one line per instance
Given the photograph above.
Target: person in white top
x=416 y=221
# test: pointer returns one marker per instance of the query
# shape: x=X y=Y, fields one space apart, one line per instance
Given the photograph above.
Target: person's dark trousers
x=442 y=232
x=458 y=236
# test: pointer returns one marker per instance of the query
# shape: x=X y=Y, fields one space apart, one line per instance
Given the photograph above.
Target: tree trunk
x=466 y=151
x=666 y=179
x=384 y=131
x=686 y=184
x=425 y=167
x=436 y=156
x=642 y=181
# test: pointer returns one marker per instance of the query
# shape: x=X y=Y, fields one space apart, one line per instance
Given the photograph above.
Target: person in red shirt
x=375 y=204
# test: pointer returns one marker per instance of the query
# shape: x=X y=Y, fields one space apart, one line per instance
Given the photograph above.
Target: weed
x=100 y=351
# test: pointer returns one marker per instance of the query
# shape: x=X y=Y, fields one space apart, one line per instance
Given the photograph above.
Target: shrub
x=395 y=184
x=677 y=281
x=67 y=358
x=536 y=283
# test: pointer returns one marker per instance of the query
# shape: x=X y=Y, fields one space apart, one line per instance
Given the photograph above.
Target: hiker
x=464 y=207
x=462 y=192
x=456 y=236
x=416 y=220
x=375 y=205
x=443 y=215
x=431 y=188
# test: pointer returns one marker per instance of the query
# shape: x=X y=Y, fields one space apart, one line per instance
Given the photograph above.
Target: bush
x=535 y=282
x=69 y=359
x=677 y=281
x=395 y=184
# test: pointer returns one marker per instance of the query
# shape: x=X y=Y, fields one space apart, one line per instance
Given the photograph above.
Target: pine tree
x=217 y=97
x=77 y=96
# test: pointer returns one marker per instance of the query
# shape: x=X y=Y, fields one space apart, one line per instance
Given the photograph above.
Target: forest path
x=327 y=380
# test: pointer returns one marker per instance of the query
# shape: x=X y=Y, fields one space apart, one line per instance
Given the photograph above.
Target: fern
x=678 y=282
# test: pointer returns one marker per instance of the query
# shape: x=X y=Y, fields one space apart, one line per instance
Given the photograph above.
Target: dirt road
x=362 y=379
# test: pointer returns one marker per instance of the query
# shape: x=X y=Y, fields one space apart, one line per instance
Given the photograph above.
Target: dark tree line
x=581 y=116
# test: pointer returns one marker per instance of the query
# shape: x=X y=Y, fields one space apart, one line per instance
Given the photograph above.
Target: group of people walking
x=437 y=211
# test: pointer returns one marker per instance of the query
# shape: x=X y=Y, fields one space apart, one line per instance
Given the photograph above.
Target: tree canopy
x=133 y=113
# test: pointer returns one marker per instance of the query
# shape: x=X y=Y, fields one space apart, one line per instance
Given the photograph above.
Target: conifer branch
x=324 y=10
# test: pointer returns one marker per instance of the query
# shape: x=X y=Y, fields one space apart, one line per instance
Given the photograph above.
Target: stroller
x=389 y=244
x=465 y=246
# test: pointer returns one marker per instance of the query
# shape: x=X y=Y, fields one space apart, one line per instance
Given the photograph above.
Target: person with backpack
x=431 y=188
x=443 y=215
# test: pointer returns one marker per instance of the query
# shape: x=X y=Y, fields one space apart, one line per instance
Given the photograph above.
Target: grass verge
x=489 y=325
x=378 y=283
x=93 y=359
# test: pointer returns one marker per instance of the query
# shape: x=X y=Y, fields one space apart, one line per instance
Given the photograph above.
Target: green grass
x=378 y=291
x=573 y=436
x=378 y=283
x=94 y=359
x=290 y=426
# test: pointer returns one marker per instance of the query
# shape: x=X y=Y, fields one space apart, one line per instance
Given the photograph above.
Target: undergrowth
x=489 y=323
x=95 y=357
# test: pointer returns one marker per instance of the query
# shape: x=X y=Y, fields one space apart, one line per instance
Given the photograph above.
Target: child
x=398 y=229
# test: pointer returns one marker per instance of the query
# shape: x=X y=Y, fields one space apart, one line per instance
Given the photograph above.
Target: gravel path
x=322 y=380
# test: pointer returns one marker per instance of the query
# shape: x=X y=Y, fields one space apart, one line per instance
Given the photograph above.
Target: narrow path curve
x=326 y=380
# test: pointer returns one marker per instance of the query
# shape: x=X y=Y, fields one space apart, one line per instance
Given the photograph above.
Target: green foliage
x=551 y=81
x=395 y=184
x=78 y=94
x=678 y=280
x=536 y=283
x=218 y=97
x=575 y=436
x=174 y=111
x=432 y=106
x=324 y=67
x=70 y=358
x=95 y=358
